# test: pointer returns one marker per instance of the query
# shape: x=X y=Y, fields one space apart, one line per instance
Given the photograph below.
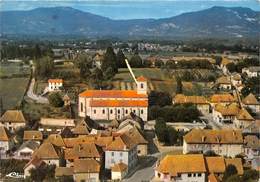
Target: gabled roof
x=250 y=100
x=81 y=128
x=207 y=136
x=55 y=81
x=4 y=134
x=252 y=142
x=122 y=142
x=30 y=144
x=86 y=166
x=118 y=103
x=136 y=136
x=47 y=151
x=32 y=135
x=213 y=178
x=120 y=167
x=14 y=116
x=244 y=115
x=176 y=164
x=215 y=164
x=87 y=150
x=112 y=94
x=222 y=98
x=66 y=132
x=56 y=140
x=181 y=99
x=228 y=110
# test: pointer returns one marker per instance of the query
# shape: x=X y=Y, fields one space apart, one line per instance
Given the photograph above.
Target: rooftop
x=181 y=99
x=112 y=94
x=222 y=98
x=55 y=81
x=225 y=136
x=14 y=116
x=250 y=100
x=3 y=134
x=118 y=103
x=120 y=167
x=32 y=135
x=86 y=166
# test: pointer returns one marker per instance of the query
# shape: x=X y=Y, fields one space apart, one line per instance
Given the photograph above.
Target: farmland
x=14 y=79
x=160 y=80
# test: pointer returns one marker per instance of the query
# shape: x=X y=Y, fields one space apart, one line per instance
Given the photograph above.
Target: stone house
x=224 y=83
x=118 y=171
x=55 y=84
x=86 y=170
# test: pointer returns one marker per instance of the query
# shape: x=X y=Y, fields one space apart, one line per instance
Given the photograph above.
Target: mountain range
x=216 y=22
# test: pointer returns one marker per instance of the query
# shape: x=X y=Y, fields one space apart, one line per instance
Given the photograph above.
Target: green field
x=10 y=69
x=12 y=91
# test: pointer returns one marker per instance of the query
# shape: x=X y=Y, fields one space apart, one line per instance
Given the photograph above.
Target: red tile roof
x=119 y=103
x=112 y=94
x=141 y=79
x=55 y=81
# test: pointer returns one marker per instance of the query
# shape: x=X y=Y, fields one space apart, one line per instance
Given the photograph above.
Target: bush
x=55 y=99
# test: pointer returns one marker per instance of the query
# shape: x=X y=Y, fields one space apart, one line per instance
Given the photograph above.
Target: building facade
x=55 y=84
x=114 y=104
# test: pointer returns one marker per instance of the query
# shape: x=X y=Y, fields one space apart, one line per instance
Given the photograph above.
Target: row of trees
x=175 y=113
x=44 y=67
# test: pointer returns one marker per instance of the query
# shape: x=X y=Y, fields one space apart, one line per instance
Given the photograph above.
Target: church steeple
x=141 y=85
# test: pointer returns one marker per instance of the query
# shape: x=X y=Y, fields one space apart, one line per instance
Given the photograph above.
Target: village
x=114 y=115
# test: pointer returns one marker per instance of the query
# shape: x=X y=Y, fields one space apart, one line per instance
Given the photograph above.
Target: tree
x=179 y=86
x=160 y=129
x=231 y=67
x=136 y=61
x=250 y=175
x=44 y=67
x=158 y=63
x=108 y=74
x=85 y=64
x=218 y=60
x=233 y=178
x=230 y=170
x=110 y=60
x=172 y=135
x=37 y=51
x=55 y=99
x=43 y=172
x=120 y=57
x=159 y=98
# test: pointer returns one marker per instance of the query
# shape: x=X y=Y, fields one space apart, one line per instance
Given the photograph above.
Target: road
x=33 y=96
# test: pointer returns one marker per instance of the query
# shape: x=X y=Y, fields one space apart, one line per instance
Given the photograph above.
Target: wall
x=88 y=177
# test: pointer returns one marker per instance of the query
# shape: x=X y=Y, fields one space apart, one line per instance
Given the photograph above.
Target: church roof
x=112 y=94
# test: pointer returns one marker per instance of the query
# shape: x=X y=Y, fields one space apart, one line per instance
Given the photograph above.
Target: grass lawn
x=9 y=69
x=12 y=91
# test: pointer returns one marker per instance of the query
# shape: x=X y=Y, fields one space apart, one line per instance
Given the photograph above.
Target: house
x=114 y=104
x=84 y=151
x=223 y=142
x=253 y=71
x=5 y=141
x=252 y=129
x=224 y=83
x=251 y=147
x=136 y=135
x=121 y=149
x=26 y=150
x=118 y=171
x=201 y=102
x=224 y=99
x=33 y=135
x=243 y=119
x=224 y=63
x=236 y=81
x=54 y=125
x=55 y=84
x=251 y=102
x=48 y=153
x=34 y=163
x=13 y=120
x=86 y=170
x=56 y=140
x=186 y=168
x=225 y=113
x=194 y=167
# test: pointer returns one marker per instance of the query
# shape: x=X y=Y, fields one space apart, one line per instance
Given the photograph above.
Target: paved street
x=37 y=98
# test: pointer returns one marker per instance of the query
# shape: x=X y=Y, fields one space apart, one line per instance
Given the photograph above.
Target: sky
x=130 y=9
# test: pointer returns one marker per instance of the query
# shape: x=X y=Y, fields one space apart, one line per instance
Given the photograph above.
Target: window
x=179 y=175
x=95 y=111
x=103 y=111
x=142 y=111
x=111 y=111
x=189 y=174
x=118 y=111
x=112 y=153
x=121 y=154
x=134 y=111
x=142 y=85
x=199 y=174
x=126 y=111
x=194 y=175
x=81 y=107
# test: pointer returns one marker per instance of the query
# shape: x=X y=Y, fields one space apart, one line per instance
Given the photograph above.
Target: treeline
x=237 y=67
x=24 y=52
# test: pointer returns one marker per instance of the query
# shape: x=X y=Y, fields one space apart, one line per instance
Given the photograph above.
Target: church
x=115 y=104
